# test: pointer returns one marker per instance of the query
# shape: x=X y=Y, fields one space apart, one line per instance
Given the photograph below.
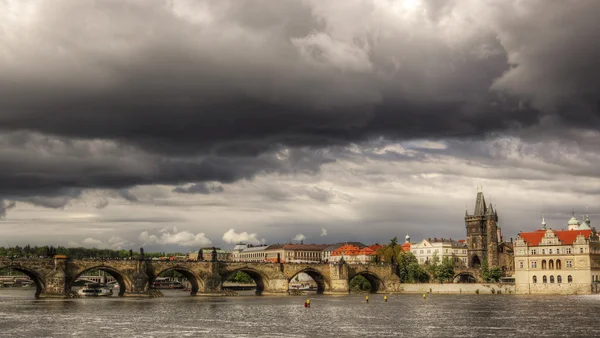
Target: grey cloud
x=128 y=195
x=199 y=188
x=5 y=206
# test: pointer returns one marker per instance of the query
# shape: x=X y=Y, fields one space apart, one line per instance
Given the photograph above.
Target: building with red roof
x=558 y=261
x=353 y=254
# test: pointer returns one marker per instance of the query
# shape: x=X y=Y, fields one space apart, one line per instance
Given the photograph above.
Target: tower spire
x=480 y=207
x=543 y=222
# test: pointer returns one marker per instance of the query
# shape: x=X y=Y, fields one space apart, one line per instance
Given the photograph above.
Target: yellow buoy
x=367 y=298
x=424 y=296
x=385 y=298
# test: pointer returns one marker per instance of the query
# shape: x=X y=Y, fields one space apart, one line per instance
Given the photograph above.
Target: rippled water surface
x=349 y=316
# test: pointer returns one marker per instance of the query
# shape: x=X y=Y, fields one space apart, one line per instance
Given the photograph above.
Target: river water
x=407 y=315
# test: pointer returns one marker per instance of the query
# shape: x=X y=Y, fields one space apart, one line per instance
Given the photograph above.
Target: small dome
x=407 y=238
x=573 y=221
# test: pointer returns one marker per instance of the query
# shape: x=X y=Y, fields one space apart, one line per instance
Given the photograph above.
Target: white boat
x=95 y=290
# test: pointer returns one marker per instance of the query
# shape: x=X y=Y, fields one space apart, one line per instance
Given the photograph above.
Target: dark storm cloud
x=123 y=93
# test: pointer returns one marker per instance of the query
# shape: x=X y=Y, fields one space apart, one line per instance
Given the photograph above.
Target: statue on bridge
x=200 y=256
x=141 y=254
x=214 y=254
x=130 y=254
x=393 y=260
x=278 y=258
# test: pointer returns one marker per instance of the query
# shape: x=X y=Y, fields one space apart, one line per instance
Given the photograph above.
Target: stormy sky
x=175 y=124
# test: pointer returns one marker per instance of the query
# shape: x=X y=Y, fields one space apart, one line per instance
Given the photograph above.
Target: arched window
x=544 y=264
x=570 y=279
x=552 y=279
x=558 y=265
x=534 y=279
x=551 y=264
x=544 y=279
x=558 y=279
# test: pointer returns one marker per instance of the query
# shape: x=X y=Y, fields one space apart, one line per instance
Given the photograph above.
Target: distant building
x=558 y=261
x=352 y=254
x=326 y=253
x=248 y=253
x=295 y=253
x=427 y=248
x=407 y=245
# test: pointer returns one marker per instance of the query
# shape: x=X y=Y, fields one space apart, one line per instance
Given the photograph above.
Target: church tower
x=482 y=234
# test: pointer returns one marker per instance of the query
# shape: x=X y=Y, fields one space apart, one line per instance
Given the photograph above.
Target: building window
x=550 y=251
x=544 y=280
x=558 y=279
x=568 y=250
x=534 y=265
x=421 y=252
x=569 y=264
x=551 y=264
x=570 y=279
x=551 y=279
x=533 y=251
x=543 y=251
x=580 y=250
x=521 y=265
x=544 y=264
x=558 y=264
x=534 y=279
x=428 y=250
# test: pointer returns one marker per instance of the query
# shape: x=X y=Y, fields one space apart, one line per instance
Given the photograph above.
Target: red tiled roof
x=367 y=251
x=375 y=247
x=567 y=237
x=352 y=250
x=406 y=247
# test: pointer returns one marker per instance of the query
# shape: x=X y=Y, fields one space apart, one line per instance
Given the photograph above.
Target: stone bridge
x=55 y=276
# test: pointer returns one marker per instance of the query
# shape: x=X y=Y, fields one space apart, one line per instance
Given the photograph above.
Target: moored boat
x=95 y=290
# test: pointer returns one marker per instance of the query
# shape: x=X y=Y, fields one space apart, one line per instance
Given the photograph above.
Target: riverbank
x=459 y=288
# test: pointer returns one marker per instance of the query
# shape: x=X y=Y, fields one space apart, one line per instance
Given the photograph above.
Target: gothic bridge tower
x=482 y=234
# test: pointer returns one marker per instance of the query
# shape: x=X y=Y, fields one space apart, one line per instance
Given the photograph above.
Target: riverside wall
x=459 y=288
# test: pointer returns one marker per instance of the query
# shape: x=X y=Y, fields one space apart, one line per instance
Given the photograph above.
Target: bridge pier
x=339 y=282
x=276 y=287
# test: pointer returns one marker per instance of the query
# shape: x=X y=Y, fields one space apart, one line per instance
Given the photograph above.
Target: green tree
x=492 y=274
x=386 y=252
x=433 y=265
x=446 y=270
x=360 y=283
x=409 y=269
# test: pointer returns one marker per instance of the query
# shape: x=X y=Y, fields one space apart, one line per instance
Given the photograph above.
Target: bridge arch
x=317 y=276
x=375 y=281
x=124 y=282
x=464 y=277
x=259 y=278
x=195 y=281
x=40 y=284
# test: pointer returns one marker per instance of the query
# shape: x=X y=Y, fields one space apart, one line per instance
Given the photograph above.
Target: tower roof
x=584 y=226
x=480 y=207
